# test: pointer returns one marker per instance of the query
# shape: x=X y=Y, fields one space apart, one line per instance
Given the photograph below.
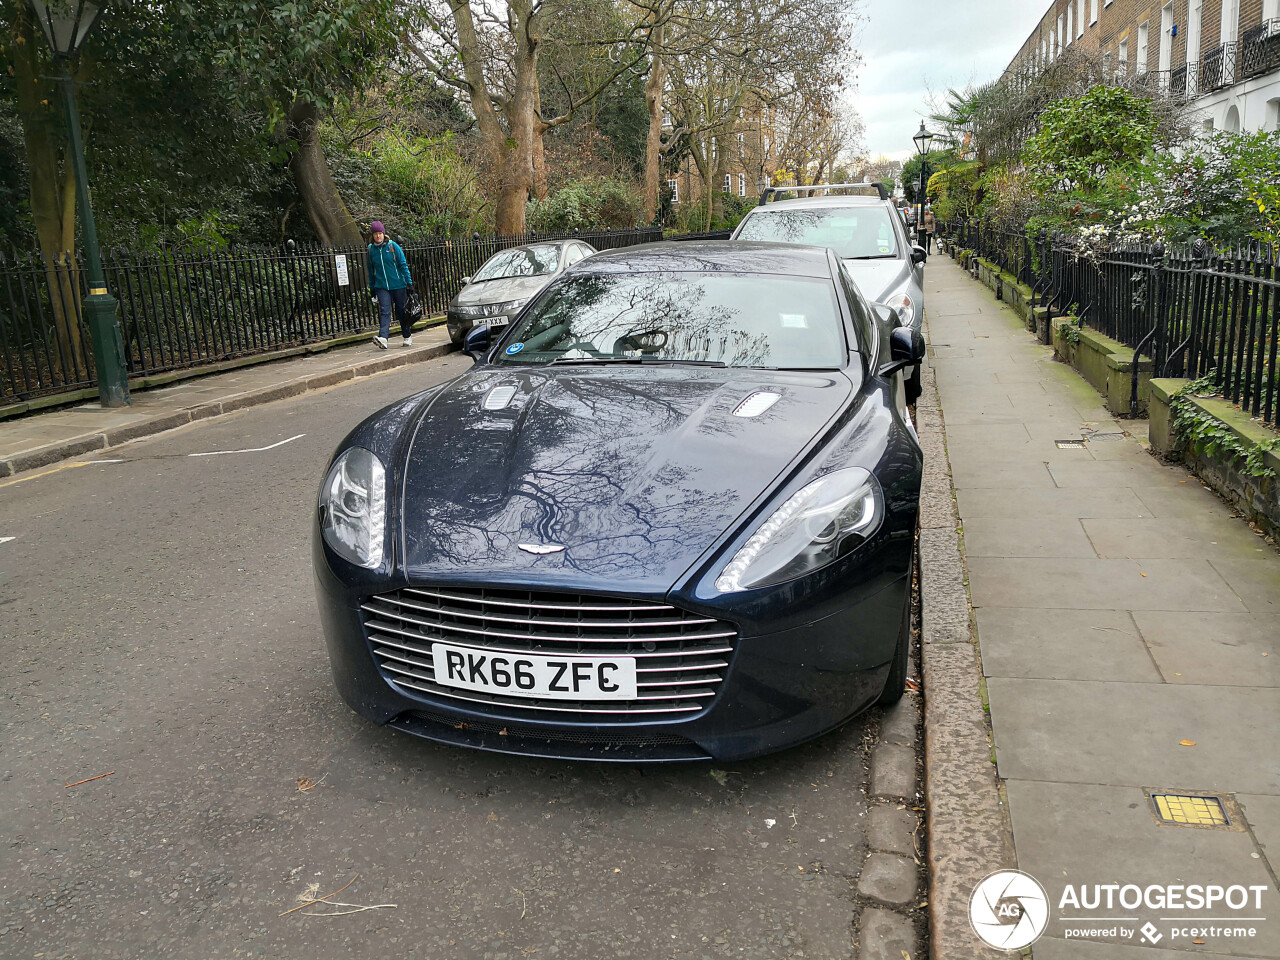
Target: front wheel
x=896 y=685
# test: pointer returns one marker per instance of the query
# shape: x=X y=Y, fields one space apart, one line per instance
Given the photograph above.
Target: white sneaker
x=381 y=342
x=408 y=342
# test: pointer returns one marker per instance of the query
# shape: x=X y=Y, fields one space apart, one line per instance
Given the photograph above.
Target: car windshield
x=721 y=319
x=535 y=261
x=852 y=232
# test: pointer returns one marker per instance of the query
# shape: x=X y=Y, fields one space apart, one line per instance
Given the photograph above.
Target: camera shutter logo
x=1009 y=910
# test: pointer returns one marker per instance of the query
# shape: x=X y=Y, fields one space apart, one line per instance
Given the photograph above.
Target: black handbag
x=413 y=306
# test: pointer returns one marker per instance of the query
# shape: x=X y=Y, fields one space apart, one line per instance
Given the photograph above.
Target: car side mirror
x=906 y=349
x=476 y=343
x=918 y=254
x=465 y=281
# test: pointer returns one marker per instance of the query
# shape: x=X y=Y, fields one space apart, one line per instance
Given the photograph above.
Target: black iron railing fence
x=1194 y=310
x=185 y=308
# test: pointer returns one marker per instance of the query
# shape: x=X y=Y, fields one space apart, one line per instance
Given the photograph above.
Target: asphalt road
x=157 y=621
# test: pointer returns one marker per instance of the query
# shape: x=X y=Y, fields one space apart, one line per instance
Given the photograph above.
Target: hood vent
x=499 y=397
x=756 y=404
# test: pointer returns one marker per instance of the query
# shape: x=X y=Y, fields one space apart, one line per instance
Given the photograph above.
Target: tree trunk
x=328 y=215
x=717 y=187
x=53 y=198
x=539 y=155
x=653 y=143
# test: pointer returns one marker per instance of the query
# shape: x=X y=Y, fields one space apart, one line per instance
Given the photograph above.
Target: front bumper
x=782 y=687
x=459 y=326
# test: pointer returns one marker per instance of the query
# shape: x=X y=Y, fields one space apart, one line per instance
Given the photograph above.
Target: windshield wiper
x=876 y=256
x=585 y=361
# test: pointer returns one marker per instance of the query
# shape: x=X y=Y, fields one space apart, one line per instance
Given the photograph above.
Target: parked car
x=863 y=231
x=506 y=282
x=668 y=515
x=868 y=236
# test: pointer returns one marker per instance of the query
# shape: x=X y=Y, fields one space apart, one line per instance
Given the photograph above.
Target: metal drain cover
x=1070 y=444
x=1096 y=437
x=1189 y=809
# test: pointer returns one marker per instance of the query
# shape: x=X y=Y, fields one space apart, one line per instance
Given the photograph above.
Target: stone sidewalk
x=1129 y=633
x=44 y=438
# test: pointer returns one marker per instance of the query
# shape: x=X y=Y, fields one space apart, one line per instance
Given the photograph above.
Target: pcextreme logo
x=1009 y=909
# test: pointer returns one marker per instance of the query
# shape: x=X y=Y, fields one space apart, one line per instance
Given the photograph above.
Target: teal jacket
x=388 y=269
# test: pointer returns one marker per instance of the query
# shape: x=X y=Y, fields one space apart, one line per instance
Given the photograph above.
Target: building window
x=742 y=145
x=1093 y=12
x=674 y=187
x=1069 y=33
x=1080 y=18
x=1124 y=58
x=1273 y=114
x=742 y=184
x=1144 y=32
x=728 y=183
x=766 y=148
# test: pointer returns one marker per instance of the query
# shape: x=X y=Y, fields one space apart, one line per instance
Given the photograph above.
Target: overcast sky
x=912 y=47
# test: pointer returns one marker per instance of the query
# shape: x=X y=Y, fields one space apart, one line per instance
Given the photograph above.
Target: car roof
x=845 y=201
x=543 y=243
x=711 y=256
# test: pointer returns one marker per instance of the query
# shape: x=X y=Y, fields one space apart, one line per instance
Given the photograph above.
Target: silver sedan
x=507 y=281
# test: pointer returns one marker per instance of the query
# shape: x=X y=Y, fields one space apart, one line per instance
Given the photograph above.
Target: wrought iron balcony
x=1218 y=68
x=1260 y=49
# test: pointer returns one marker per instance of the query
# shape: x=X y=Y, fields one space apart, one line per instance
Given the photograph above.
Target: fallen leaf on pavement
x=1144 y=574
x=113 y=773
x=913 y=685
x=1186 y=743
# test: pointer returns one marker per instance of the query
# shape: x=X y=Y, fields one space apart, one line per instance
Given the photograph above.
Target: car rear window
x=852 y=232
x=739 y=320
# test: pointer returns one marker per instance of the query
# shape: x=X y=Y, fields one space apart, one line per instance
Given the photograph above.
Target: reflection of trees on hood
x=565 y=465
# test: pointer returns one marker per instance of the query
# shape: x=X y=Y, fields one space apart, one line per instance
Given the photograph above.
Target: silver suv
x=866 y=233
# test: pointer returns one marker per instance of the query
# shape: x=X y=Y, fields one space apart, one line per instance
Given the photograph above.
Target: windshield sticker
x=515 y=348
x=794 y=320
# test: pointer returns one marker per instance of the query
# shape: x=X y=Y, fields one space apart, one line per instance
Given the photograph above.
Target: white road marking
x=7 y=539
x=216 y=453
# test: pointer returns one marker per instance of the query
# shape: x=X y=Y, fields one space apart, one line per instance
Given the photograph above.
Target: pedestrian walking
x=930 y=224
x=389 y=282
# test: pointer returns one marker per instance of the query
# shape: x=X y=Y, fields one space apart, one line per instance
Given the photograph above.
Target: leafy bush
x=587 y=205
x=418 y=186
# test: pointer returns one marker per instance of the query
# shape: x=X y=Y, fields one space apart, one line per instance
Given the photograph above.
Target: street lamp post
x=922 y=140
x=65 y=24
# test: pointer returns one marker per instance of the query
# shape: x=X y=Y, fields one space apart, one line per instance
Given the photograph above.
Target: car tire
x=896 y=685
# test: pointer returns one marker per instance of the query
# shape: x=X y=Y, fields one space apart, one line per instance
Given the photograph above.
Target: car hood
x=878 y=278
x=500 y=291
x=636 y=473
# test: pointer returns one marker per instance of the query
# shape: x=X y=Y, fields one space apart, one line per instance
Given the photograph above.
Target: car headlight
x=512 y=307
x=904 y=305
x=824 y=521
x=353 y=507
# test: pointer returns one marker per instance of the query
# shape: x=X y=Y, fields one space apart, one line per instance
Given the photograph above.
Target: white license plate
x=531 y=675
x=495 y=321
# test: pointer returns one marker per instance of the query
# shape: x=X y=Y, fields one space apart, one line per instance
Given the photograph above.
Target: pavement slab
x=1212 y=648
x=1001 y=537
x=1132 y=733
x=1263 y=815
x=1031 y=503
x=1047 y=644
x=1100 y=584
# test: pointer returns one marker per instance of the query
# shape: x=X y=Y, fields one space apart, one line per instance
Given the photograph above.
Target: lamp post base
x=108 y=349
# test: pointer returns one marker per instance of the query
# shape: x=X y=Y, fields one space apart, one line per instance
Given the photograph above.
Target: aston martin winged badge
x=541 y=548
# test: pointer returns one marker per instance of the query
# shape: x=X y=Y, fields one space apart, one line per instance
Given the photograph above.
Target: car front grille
x=681 y=657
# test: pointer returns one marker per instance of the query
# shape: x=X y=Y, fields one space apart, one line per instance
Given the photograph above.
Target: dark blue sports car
x=669 y=515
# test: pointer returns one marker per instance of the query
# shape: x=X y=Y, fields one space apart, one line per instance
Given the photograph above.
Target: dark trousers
x=387 y=299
